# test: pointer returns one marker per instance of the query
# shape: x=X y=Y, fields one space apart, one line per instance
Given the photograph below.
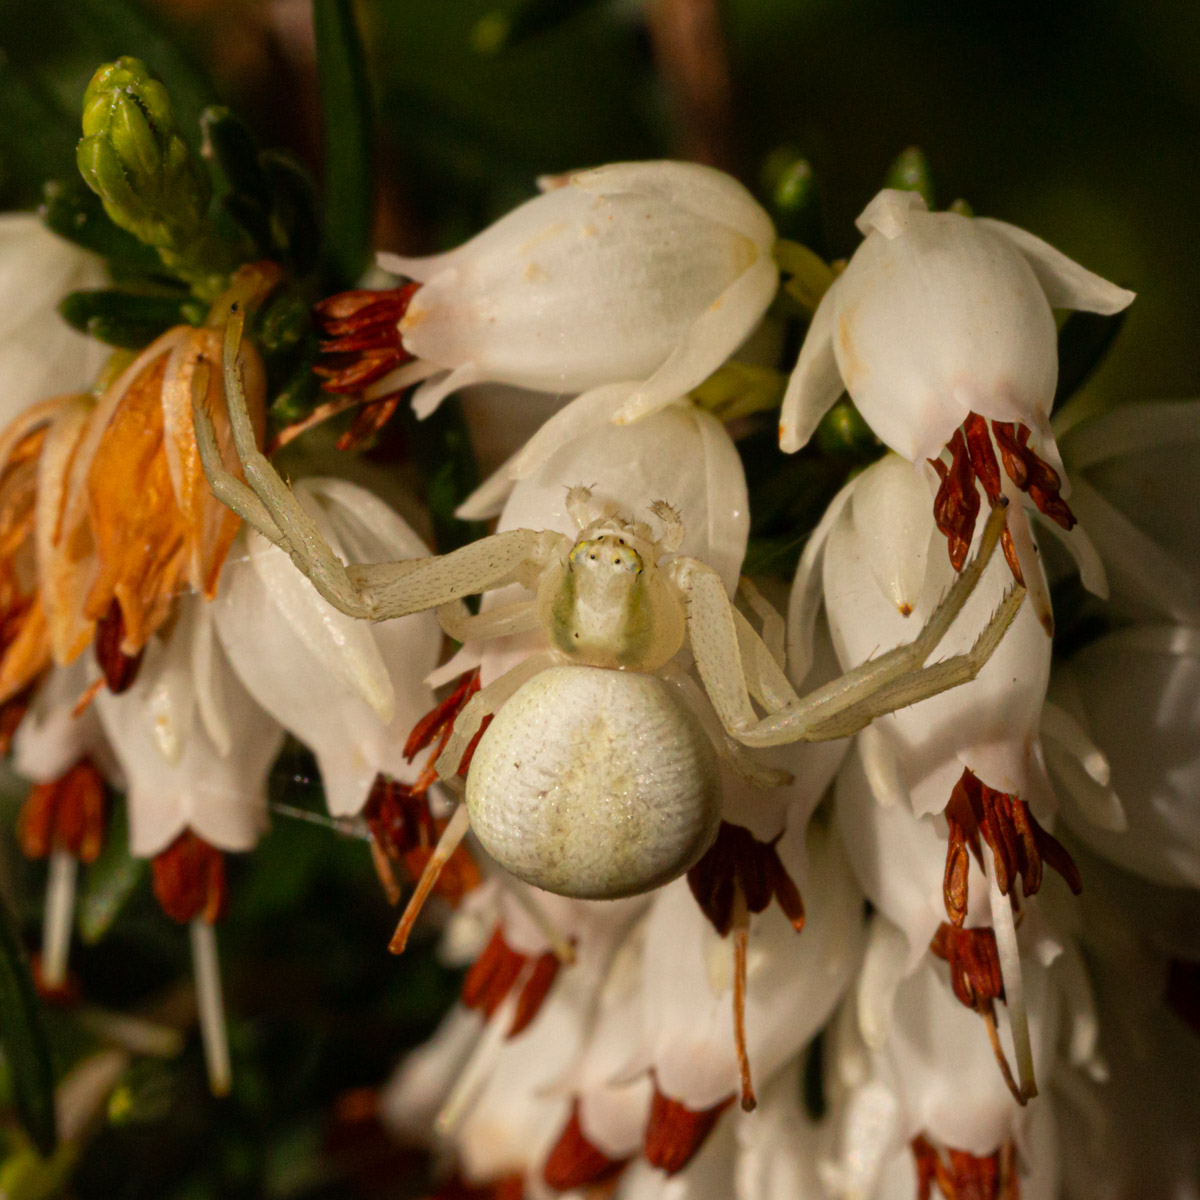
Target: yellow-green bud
x=151 y=183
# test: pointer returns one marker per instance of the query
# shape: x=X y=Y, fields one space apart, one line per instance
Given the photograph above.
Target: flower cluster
x=752 y=905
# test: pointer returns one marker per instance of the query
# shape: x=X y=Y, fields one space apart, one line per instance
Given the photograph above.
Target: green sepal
x=295 y=399
x=844 y=435
x=245 y=192
x=129 y=320
x=295 y=220
x=23 y=1037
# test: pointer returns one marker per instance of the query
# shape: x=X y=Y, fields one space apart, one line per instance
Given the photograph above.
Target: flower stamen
x=978 y=983
x=189 y=880
x=675 y=1133
x=963 y=1176
x=737 y=863
x=574 y=1162
x=1020 y=846
x=973 y=461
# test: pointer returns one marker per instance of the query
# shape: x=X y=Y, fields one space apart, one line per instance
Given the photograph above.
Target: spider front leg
x=376 y=591
x=265 y=501
x=729 y=657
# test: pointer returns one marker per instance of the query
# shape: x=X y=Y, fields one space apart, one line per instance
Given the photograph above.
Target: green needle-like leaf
x=24 y=1039
x=346 y=113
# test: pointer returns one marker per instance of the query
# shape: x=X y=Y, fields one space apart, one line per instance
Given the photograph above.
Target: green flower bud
x=910 y=172
x=134 y=158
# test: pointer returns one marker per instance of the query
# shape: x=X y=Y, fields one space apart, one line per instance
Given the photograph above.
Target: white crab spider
x=595 y=779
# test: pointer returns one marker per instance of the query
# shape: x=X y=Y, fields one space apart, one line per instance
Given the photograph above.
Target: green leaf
x=232 y=151
x=1083 y=341
x=110 y=881
x=75 y=212
x=128 y=319
x=24 y=1039
x=346 y=120
x=295 y=225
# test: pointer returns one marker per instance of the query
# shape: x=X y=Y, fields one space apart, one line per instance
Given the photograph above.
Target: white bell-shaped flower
x=937 y=316
x=899 y=860
x=793 y=980
x=1135 y=478
x=929 y=1071
x=874 y=563
x=349 y=690
x=53 y=737
x=641 y=278
x=1135 y=694
x=40 y=354
x=193 y=746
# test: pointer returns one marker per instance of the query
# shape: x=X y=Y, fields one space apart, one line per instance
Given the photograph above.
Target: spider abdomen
x=594 y=783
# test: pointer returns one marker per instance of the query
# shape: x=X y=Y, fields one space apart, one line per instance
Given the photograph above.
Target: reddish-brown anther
x=973 y=458
x=12 y=713
x=361 y=337
x=368 y=421
x=120 y=669
x=675 y=1133
x=963 y=1176
x=498 y=970
x=738 y=860
x=534 y=991
x=974 y=964
x=956 y=505
x=189 y=880
x=575 y=1163
x=66 y=814
x=1033 y=475
x=1020 y=846
x=436 y=726
x=492 y=975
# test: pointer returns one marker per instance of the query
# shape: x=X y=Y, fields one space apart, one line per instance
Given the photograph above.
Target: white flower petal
x=699 y=189
x=348 y=690
x=40 y=354
x=816 y=381
x=1065 y=282
x=714 y=336
x=222 y=799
